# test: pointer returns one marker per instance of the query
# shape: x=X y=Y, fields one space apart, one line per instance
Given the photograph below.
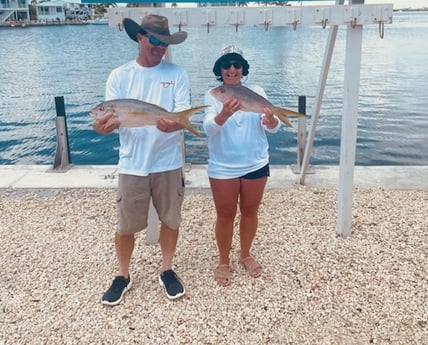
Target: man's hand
x=105 y=124
x=167 y=125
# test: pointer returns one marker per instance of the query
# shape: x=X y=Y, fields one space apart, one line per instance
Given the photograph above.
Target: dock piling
x=62 y=161
x=301 y=136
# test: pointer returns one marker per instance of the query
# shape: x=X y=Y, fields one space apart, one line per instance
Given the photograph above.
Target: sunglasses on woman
x=155 y=42
x=227 y=64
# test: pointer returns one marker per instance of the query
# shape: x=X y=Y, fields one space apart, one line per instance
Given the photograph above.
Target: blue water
x=39 y=63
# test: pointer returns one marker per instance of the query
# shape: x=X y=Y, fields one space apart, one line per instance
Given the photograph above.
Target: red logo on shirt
x=166 y=84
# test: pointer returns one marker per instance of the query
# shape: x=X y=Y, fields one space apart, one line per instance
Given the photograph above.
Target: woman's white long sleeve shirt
x=240 y=145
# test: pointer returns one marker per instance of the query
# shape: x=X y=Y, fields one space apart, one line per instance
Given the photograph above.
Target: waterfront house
x=51 y=11
x=14 y=11
x=59 y=11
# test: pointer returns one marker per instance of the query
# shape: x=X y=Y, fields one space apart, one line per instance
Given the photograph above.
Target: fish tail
x=283 y=115
x=183 y=118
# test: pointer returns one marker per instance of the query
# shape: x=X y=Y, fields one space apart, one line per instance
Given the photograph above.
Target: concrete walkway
x=282 y=176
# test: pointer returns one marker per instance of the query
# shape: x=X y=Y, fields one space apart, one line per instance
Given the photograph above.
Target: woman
x=238 y=164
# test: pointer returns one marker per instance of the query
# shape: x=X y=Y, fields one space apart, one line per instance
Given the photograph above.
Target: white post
x=318 y=101
x=349 y=128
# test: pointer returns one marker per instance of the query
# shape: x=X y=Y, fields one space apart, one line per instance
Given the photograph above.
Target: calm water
x=39 y=63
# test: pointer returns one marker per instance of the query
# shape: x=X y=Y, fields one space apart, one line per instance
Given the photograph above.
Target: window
x=44 y=10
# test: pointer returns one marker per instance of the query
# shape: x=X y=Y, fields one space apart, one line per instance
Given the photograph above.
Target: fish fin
x=283 y=115
x=183 y=118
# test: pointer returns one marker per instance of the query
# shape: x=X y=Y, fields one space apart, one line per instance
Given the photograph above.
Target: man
x=150 y=157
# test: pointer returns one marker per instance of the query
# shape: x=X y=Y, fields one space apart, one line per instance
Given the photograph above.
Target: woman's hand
x=268 y=119
x=105 y=124
x=230 y=106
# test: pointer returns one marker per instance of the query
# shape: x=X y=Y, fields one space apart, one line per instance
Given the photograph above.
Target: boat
x=98 y=21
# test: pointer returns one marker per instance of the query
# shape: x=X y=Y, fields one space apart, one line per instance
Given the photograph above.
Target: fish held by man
x=129 y=112
x=252 y=101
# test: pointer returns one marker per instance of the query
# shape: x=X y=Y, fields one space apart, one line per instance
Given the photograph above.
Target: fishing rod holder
x=353 y=16
x=263 y=17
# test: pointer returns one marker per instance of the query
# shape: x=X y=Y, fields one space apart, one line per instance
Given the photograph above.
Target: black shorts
x=262 y=172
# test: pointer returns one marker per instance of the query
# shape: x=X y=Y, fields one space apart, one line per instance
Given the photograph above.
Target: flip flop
x=252 y=266
x=222 y=275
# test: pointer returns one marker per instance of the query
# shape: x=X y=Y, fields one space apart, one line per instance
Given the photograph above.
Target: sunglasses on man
x=228 y=64
x=156 y=42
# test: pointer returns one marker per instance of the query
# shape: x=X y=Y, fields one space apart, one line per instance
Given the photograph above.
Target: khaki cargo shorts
x=133 y=199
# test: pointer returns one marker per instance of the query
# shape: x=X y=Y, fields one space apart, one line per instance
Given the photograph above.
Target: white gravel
x=57 y=258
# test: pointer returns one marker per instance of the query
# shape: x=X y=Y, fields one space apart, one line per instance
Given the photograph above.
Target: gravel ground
x=57 y=258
